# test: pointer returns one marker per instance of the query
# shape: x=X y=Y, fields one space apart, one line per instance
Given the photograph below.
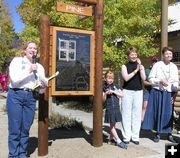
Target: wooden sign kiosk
x=97 y=139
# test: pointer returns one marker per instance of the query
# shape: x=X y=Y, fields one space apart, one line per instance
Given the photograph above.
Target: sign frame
x=55 y=30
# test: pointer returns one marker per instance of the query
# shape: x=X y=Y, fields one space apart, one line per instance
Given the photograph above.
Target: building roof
x=174 y=17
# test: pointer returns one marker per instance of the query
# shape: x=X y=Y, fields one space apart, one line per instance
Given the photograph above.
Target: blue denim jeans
x=21 y=110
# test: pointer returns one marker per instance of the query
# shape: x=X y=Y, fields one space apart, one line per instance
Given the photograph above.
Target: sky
x=12 y=5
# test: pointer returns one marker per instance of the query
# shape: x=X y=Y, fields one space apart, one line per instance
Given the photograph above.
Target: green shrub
x=58 y=121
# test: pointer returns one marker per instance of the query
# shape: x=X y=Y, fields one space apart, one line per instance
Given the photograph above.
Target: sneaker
x=135 y=142
x=171 y=139
x=156 y=138
x=122 y=145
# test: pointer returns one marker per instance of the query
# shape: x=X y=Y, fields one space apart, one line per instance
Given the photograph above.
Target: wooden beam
x=97 y=102
x=44 y=98
x=74 y=9
x=164 y=24
x=87 y=1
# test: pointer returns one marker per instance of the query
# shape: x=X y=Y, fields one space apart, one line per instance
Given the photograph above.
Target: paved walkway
x=145 y=140
x=77 y=143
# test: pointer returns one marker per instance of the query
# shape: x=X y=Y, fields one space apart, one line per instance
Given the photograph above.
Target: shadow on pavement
x=59 y=133
x=63 y=133
x=32 y=145
x=150 y=134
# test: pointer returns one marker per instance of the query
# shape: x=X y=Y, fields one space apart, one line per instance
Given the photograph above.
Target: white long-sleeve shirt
x=168 y=72
x=19 y=74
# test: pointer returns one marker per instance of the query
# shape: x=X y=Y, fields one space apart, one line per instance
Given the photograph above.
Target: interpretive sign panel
x=73 y=57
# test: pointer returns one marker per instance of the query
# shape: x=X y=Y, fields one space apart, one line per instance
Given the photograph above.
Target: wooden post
x=43 y=99
x=164 y=23
x=97 y=102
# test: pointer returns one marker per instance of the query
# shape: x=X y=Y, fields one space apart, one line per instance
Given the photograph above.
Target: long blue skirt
x=159 y=112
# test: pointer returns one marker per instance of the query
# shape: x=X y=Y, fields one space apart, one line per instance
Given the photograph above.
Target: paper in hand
x=44 y=80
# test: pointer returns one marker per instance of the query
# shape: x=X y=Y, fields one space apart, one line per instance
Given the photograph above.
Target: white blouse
x=168 y=72
x=20 y=76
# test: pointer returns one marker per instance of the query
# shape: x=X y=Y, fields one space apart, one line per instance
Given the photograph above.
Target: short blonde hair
x=131 y=49
x=25 y=45
x=109 y=74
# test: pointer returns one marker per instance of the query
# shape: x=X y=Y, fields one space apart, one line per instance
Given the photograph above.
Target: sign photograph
x=73 y=57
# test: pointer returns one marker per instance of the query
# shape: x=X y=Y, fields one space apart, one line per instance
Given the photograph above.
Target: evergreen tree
x=7 y=35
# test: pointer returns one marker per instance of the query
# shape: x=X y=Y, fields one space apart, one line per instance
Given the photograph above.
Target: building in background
x=174 y=30
x=174 y=41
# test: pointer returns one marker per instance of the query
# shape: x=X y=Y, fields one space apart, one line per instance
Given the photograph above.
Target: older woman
x=21 y=102
x=164 y=79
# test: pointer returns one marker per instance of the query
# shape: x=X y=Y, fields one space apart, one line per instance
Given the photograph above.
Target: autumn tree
x=130 y=23
x=32 y=10
x=126 y=23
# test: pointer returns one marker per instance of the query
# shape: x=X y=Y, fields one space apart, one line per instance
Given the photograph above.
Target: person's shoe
x=171 y=139
x=122 y=145
x=157 y=138
x=135 y=142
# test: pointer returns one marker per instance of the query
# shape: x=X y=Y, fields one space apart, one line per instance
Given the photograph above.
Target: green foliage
x=134 y=22
x=7 y=35
x=113 y=57
x=32 y=10
x=30 y=33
